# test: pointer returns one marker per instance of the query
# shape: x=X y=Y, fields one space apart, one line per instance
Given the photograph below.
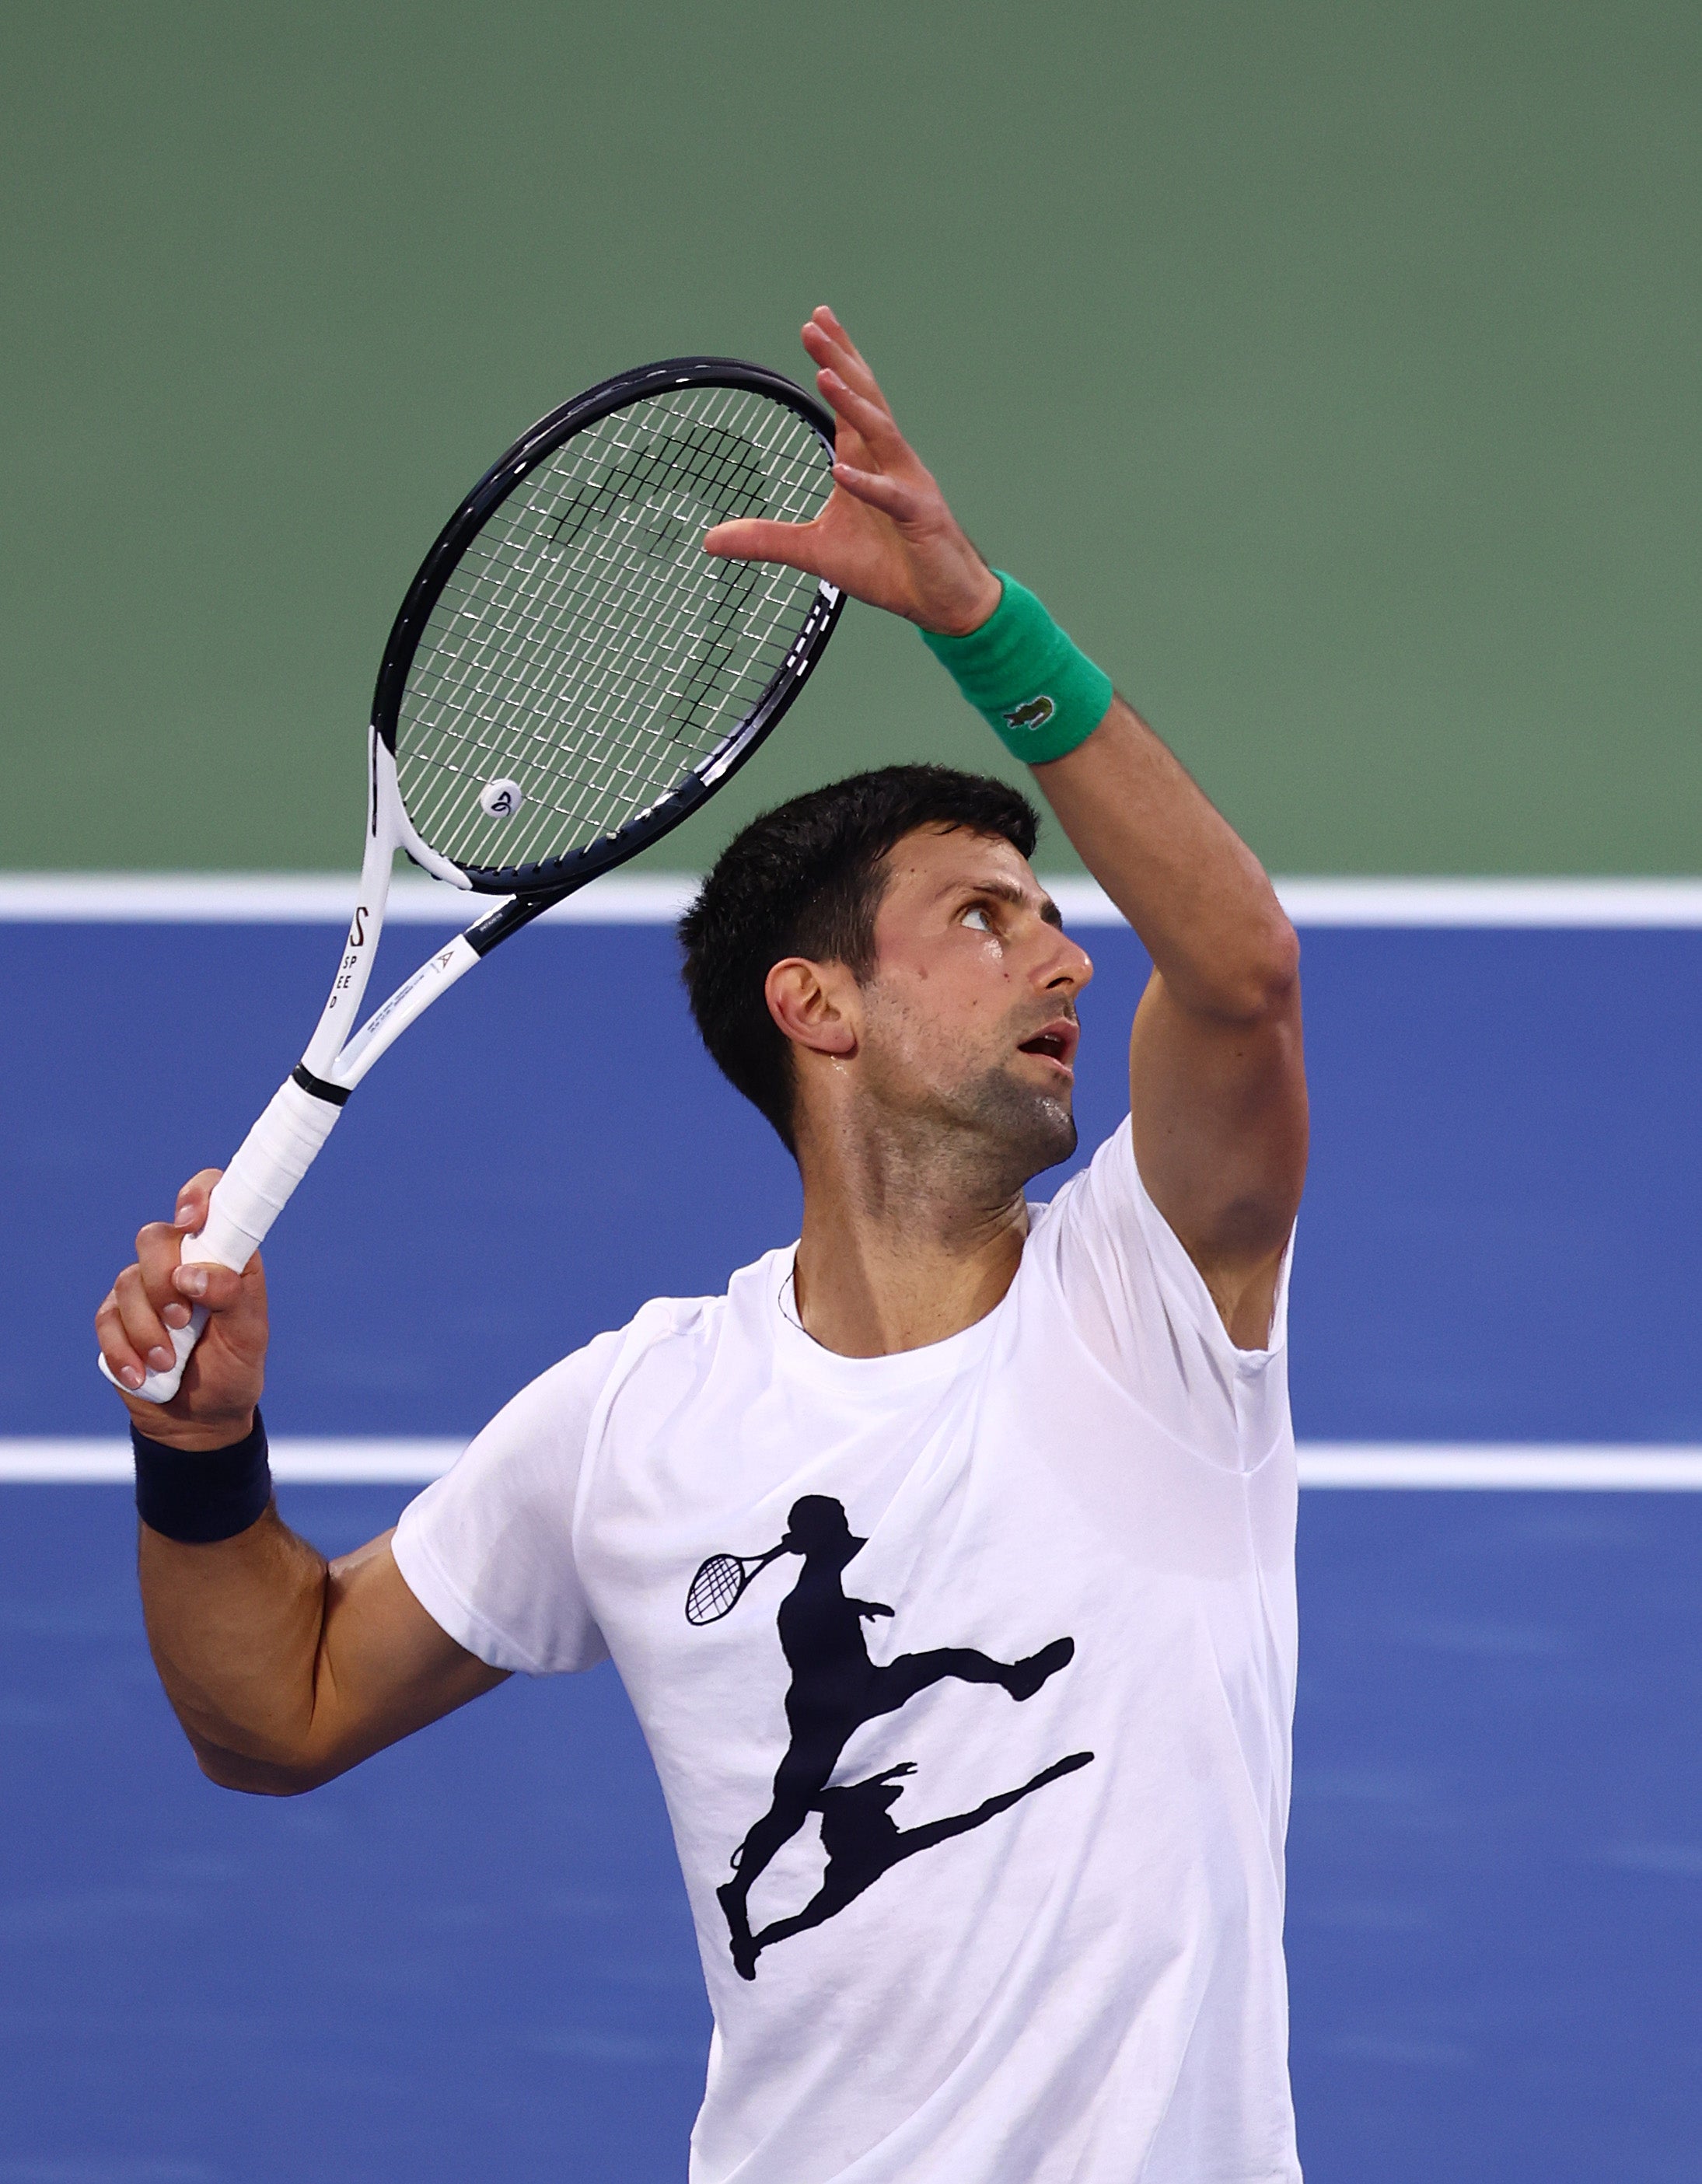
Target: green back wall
x=1331 y=370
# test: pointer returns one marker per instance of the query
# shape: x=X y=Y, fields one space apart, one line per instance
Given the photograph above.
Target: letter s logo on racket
x=569 y=676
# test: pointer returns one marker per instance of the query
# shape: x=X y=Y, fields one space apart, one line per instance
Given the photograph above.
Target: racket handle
x=247 y=1199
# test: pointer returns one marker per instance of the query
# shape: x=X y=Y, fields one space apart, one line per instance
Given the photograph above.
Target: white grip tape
x=263 y=1171
x=247 y=1199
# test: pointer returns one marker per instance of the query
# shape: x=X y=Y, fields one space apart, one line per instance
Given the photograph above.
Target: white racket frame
x=285 y=1142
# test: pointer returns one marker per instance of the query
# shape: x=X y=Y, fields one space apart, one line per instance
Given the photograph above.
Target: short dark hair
x=807 y=879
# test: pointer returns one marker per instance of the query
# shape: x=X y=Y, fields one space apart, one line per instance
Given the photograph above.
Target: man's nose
x=1070 y=967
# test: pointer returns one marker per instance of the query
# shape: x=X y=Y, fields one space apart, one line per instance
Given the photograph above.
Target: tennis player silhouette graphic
x=835 y=1688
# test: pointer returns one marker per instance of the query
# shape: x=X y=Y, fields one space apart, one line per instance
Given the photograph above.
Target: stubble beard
x=981 y=1137
x=1019 y=1130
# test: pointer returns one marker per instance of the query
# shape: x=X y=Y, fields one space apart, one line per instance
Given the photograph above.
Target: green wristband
x=1039 y=694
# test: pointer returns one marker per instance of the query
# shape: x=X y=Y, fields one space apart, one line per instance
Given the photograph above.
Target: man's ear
x=817 y=1006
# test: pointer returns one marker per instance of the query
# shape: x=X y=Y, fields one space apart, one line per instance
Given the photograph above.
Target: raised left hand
x=886 y=535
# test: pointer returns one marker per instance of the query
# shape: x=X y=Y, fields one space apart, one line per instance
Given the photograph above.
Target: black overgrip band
x=334 y=1096
x=199 y=1495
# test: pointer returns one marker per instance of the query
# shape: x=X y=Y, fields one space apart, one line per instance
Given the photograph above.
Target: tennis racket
x=719 y=1583
x=569 y=676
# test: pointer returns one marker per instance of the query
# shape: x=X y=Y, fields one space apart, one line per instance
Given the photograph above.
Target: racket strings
x=725 y=462
x=585 y=646
x=616 y=690
x=715 y=1588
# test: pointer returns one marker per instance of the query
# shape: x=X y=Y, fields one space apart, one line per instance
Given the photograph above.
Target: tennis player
x=948 y=1558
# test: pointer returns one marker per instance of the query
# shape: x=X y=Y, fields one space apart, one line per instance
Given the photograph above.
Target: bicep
x=1220 y=1134
x=385 y=1667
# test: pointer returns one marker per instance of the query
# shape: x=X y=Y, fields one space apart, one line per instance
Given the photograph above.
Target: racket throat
x=391 y=1018
x=389 y=824
x=342 y=1011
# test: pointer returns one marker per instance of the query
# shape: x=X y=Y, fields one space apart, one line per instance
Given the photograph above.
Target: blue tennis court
x=471 y=1959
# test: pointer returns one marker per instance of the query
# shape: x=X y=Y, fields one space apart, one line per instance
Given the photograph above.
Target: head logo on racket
x=500 y=799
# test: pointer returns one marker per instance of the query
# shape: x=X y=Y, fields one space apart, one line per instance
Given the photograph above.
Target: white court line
x=306 y=899
x=1646 y=904
x=304 y=1463
x=1586 y=1467
x=645 y=898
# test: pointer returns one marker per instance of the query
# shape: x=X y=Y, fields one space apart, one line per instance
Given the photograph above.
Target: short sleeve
x=487 y=1549
x=1143 y=1305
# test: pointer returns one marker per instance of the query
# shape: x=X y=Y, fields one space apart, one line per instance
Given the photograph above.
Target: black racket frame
x=535 y=888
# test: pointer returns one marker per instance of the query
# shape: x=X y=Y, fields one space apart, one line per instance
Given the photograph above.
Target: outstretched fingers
x=831 y=346
x=885 y=535
x=750 y=538
x=870 y=419
x=890 y=495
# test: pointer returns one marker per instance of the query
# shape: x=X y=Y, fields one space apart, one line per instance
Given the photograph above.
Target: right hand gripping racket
x=570 y=675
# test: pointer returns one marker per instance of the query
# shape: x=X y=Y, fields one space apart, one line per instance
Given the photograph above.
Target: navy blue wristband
x=200 y=1495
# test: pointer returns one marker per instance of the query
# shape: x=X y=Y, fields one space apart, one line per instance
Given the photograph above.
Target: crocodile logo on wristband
x=1035 y=714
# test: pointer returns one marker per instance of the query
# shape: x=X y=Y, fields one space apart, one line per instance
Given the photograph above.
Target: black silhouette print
x=835 y=1689
x=862 y=1842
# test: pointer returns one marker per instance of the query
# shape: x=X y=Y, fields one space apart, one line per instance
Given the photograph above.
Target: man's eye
x=978 y=919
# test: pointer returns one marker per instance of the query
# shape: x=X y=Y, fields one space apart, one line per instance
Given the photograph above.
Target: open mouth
x=1057 y=1042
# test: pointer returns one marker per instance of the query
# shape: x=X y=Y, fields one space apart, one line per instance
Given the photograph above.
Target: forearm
x=283 y=1669
x=1177 y=869
x=236 y=1628
x=1217 y=1087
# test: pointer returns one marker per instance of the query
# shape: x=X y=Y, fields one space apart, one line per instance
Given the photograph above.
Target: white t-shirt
x=1010 y=1912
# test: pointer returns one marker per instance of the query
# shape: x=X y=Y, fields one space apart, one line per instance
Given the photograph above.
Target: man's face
x=969 y=1016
